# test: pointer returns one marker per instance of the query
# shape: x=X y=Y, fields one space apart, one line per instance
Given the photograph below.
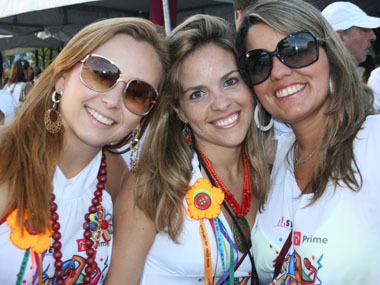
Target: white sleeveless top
x=7 y=106
x=170 y=263
x=334 y=241
x=15 y=89
x=73 y=197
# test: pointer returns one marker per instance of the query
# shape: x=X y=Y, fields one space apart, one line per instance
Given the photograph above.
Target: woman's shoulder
x=372 y=124
x=117 y=171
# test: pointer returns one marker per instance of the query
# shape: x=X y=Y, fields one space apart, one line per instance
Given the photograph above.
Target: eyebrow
x=199 y=87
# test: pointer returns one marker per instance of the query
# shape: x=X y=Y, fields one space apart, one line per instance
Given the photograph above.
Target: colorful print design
x=74 y=272
x=299 y=272
x=106 y=225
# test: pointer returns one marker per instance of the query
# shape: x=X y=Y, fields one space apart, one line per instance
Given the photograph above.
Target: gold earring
x=134 y=146
x=53 y=119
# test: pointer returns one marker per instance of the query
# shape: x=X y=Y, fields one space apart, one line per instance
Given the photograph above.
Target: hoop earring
x=134 y=146
x=330 y=86
x=186 y=133
x=257 y=121
x=53 y=119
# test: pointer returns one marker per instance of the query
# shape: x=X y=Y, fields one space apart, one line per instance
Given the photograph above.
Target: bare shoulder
x=133 y=237
x=117 y=171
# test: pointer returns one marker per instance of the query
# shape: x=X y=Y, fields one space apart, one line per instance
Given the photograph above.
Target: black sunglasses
x=296 y=50
x=100 y=74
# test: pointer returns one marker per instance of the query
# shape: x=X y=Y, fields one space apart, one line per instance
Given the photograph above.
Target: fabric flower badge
x=24 y=239
x=204 y=200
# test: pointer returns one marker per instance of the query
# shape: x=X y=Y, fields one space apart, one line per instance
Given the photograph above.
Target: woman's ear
x=181 y=115
x=59 y=85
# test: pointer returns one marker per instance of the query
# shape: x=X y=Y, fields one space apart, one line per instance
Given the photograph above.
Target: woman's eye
x=197 y=94
x=230 y=82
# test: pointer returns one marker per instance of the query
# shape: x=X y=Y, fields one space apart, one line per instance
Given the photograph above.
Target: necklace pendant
x=242 y=223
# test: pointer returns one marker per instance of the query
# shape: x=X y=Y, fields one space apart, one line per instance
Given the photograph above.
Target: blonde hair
x=165 y=169
x=350 y=100
x=28 y=152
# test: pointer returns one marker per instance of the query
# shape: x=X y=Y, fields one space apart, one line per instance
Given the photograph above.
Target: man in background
x=239 y=7
x=354 y=27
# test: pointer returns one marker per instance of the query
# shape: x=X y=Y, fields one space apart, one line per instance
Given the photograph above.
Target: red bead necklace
x=247 y=188
x=90 y=244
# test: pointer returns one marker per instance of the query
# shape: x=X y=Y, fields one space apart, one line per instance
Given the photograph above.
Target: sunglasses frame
x=120 y=79
x=275 y=53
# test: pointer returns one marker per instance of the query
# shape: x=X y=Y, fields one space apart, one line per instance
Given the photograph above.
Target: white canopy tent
x=12 y=8
x=61 y=19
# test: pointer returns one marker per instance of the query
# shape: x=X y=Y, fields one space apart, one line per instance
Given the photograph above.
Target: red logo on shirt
x=297 y=238
x=81 y=245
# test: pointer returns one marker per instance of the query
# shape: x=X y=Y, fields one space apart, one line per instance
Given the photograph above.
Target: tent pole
x=165 y=8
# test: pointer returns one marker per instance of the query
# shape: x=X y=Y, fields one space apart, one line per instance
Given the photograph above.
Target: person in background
x=7 y=107
x=202 y=148
x=239 y=8
x=36 y=73
x=354 y=27
x=374 y=84
x=320 y=222
x=58 y=176
x=1 y=71
x=19 y=83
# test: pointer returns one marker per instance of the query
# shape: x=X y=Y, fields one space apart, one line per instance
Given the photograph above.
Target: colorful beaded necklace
x=90 y=244
x=34 y=243
x=240 y=226
x=247 y=188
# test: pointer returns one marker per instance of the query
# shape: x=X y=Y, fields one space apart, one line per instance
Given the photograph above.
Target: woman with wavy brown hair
x=320 y=222
x=19 y=83
x=58 y=178
x=186 y=215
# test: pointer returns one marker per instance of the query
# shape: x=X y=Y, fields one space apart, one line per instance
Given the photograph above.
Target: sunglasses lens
x=298 y=50
x=139 y=97
x=99 y=74
x=258 y=65
x=295 y=51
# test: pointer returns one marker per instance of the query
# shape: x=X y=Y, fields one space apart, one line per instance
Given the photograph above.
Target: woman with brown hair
x=185 y=216
x=320 y=224
x=19 y=83
x=56 y=188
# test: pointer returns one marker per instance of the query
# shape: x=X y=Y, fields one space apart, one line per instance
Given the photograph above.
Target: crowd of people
x=258 y=164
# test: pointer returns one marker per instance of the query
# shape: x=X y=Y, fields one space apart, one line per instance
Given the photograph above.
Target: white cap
x=344 y=15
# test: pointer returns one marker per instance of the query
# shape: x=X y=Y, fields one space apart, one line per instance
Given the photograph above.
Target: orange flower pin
x=24 y=240
x=204 y=200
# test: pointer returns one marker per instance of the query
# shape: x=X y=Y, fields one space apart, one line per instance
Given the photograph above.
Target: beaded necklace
x=240 y=226
x=247 y=188
x=90 y=244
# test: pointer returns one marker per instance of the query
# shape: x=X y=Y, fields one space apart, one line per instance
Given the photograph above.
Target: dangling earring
x=330 y=86
x=186 y=133
x=53 y=119
x=257 y=121
x=134 y=146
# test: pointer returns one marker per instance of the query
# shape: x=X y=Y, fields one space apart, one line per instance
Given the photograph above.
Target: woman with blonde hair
x=56 y=187
x=186 y=215
x=320 y=224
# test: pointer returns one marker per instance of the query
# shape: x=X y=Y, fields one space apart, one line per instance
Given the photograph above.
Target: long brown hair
x=17 y=71
x=165 y=166
x=350 y=100
x=28 y=152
